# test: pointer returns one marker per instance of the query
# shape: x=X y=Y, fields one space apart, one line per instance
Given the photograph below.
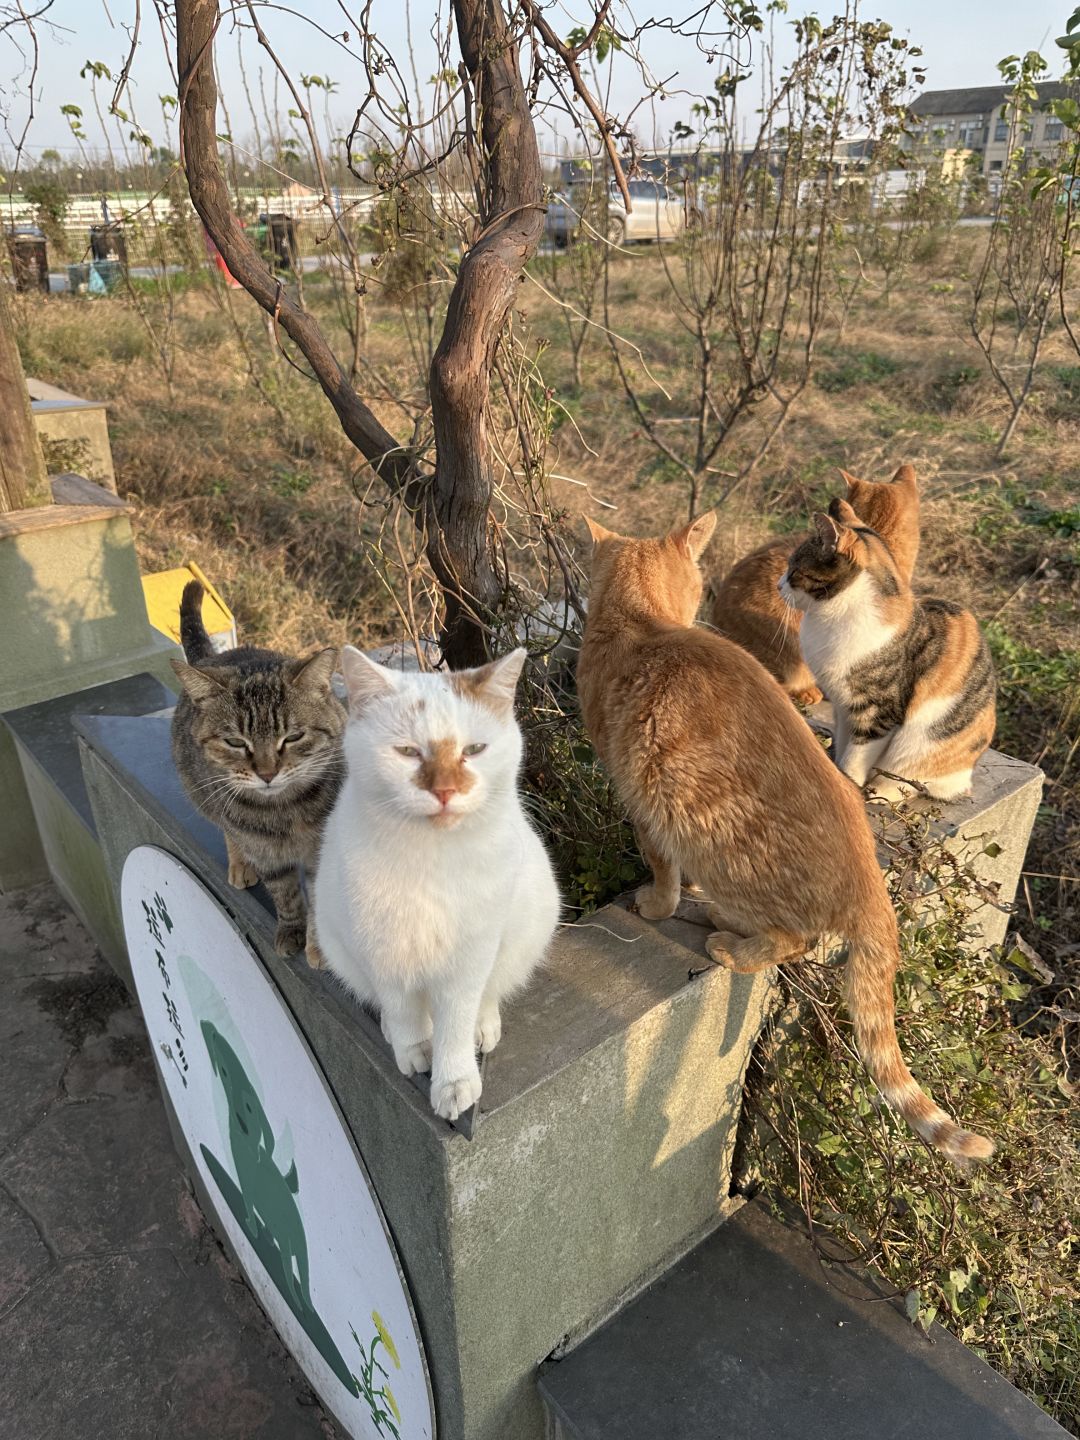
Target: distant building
x=978 y=121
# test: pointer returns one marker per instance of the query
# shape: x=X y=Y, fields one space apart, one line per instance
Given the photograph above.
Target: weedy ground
x=257 y=484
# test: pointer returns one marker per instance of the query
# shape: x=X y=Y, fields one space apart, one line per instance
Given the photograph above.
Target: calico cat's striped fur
x=747 y=608
x=725 y=782
x=912 y=682
x=256 y=738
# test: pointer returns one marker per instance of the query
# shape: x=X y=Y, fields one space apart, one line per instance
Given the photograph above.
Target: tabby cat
x=256 y=738
x=912 y=682
x=747 y=609
x=725 y=782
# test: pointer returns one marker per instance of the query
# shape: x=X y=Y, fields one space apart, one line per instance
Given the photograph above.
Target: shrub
x=992 y=1256
x=860 y=368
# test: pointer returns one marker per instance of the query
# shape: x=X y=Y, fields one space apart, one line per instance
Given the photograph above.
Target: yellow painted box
x=163 y=592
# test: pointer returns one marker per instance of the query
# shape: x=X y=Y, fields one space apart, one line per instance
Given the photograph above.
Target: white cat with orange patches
x=912 y=682
x=435 y=899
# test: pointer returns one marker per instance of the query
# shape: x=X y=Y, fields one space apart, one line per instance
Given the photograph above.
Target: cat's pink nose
x=444 y=796
x=266 y=775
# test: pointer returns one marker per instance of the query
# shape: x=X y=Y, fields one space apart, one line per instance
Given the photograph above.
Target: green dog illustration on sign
x=264 y=1201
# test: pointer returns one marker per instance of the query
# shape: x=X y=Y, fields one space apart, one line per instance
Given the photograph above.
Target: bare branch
x=196 y=26
x=569 y=55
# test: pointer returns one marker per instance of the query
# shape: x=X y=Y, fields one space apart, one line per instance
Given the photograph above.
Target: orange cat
x=748 y=610
x=724 y=782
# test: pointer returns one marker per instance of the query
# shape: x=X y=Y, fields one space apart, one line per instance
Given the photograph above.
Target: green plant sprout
x=379 y=1397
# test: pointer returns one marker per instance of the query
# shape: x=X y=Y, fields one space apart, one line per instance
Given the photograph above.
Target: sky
x=962 y=41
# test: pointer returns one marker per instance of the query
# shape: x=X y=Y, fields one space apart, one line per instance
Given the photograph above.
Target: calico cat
x=725 y=782
x=912 y=682
x=256 y=738
x=435 y=899
x=747 y=609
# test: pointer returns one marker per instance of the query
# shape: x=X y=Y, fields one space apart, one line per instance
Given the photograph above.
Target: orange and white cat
x=747 y=609
x=911 y=682
x=724 y=782
x=434 y=899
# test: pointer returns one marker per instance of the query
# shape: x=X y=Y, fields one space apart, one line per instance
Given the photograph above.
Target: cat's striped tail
x=871 y=967
x=193 y=636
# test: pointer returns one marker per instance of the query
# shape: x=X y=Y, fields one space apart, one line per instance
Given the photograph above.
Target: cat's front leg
x=406 y=1023
x=455 y=1075
x=841 y=734
x=242 y=874
x=861 y=755
x=288 y=898
x=660 y=900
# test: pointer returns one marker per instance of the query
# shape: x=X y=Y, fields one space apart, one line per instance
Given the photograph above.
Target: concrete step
x=46 y=750
x=752 y=1337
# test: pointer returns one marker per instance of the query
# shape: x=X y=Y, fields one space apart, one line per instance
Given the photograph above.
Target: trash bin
x=281 y=237
x=107 y=242
x=105 y=276
x=29 y=257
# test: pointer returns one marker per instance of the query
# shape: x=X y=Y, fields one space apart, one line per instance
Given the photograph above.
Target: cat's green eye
x=409 y=751
x=474 y=749
x=291 y=738
x=236 y=744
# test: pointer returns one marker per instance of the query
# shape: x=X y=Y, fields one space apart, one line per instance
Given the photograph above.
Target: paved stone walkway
x=120 y=1316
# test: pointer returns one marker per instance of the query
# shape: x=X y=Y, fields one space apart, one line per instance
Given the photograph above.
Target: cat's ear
x=857 y=491
x=598 y=531
x=694 y=537
x=828 y=533
x=314 y=674
x=906 y=477
x=840 y=510
x=201 y=685
x=364 y=680
x=493 y=684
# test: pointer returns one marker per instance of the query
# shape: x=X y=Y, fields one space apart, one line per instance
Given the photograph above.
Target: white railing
x=304 y=207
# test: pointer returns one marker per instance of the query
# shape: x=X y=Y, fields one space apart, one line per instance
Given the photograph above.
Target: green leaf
x=829 y=1144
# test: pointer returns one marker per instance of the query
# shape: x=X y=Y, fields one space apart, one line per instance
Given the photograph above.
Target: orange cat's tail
x=871 y=967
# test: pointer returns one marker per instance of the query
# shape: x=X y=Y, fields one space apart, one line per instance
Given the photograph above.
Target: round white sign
x=273 y=1154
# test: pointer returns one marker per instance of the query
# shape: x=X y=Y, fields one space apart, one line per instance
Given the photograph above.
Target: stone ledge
x=1000 y=810
x=748 y=1337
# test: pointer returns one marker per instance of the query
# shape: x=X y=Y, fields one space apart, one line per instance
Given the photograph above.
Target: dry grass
x=265 y=497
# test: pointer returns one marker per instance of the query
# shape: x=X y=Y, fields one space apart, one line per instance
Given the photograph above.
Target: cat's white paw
x=488 y=1029
x=413 y=1059
x=655 y=905
x=454 y=1097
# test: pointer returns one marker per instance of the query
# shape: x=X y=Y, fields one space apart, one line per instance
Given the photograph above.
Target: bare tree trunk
x=454 y=504
x=487 y=283
x=22 y=466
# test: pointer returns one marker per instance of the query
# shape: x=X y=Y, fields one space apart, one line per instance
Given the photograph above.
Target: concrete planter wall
x=603 y=1147
x=74 y=433
x=602 y=1150
x=68 y=572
